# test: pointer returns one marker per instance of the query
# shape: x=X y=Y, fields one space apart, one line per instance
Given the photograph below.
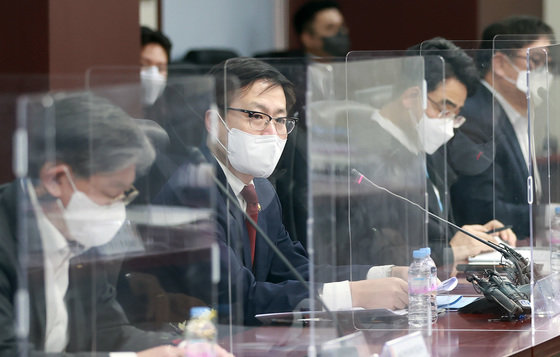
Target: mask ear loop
x=58 y=201
x=227 y=128
x=514 y=82
x=70 y=178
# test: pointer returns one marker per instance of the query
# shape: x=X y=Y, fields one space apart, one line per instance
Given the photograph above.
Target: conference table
x=454 y=334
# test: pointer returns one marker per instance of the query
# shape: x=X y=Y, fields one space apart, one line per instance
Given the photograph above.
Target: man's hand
x=464 y=246
x=389 y=293
x=162 y=351
x=400 y=272
x=506 y=235
x=172 y=351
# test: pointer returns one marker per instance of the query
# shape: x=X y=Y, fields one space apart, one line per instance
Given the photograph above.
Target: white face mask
x=153 y=84
x=434 y=132
x=255 y=155
x=538 y=78
x=91 y=224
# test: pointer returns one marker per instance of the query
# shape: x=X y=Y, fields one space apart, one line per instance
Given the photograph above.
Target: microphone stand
x=520 y=264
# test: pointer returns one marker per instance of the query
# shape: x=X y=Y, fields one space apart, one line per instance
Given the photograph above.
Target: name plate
x=409 y=345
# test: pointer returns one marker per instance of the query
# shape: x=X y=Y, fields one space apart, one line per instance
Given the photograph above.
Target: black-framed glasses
x=259 y=121
x=535 y=61
x=127 y=196
x=458 y=120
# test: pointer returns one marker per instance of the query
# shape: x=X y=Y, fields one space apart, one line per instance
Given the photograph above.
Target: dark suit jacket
x=500 y=191
x=268 y=285
x=88 y=292
x=385 y=229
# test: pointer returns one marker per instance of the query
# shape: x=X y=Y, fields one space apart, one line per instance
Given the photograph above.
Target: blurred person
x=445 y=99
x=497 y=114
x=321 y=29
x=155 y=55
x=246 y=137
x=73 y=201
x=400 y=146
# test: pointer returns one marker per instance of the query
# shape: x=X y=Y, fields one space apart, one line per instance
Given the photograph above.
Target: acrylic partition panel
x=260 y=138
x=542 y=91
x=358 y=160
x=116 y=235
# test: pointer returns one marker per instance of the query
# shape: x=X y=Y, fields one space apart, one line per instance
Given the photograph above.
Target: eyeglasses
x=127 y=196
x=259 y=121
x=458 y=120
x=534 y=61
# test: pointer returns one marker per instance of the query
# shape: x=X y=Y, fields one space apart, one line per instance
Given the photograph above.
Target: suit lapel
x=238 y=238
x=508 y=138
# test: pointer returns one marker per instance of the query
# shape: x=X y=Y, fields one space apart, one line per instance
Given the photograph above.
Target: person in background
x=497 y=114
x=155 y=55
x=321 y=29
x=72 y=202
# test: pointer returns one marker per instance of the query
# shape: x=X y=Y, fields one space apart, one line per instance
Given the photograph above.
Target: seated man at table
x=247 y=133
x=80 y=176
x=398 y=149
x=497 y=114
x=445 y=98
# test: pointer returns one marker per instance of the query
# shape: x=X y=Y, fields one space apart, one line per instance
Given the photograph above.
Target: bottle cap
x=419 y=253
x=196 y=311
x=557 y=210
x=428 y=250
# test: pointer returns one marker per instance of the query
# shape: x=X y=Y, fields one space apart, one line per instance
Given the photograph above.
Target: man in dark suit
x=55 y=297
x=246 y=137
x=401 y=147
x=498 y=113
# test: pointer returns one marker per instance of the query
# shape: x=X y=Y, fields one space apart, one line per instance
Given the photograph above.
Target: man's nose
x=270 y=129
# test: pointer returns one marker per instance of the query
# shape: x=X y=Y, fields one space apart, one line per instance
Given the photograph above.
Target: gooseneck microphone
x=520 y=264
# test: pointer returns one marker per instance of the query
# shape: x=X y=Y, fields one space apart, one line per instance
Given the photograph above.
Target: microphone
x=278 y=253
x=521 y=265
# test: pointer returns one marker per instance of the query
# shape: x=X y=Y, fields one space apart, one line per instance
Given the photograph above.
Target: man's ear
x=51 y=177
x=211 y=121
x=498 y=63
x=412 y=98
x=309 y=41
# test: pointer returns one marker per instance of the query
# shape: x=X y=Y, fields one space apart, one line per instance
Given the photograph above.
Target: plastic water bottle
x=433 y=282
x=200 y=333
x=555 y=242
x=419 y=278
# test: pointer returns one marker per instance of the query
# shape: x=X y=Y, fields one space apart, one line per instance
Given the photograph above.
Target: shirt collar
x=513 y=115
x=394 y=130
x=52 y=239
x=233 y=181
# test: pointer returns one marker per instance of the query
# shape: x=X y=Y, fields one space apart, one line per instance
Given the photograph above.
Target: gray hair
x=91 y=135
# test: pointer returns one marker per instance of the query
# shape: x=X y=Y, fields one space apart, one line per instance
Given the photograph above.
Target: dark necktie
x=250 y=195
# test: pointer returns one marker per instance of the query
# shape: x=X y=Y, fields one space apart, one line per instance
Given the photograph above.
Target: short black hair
x=147 y=36
x=240 y=72
x=305 y=15
x=526 y=27
x=457 y=63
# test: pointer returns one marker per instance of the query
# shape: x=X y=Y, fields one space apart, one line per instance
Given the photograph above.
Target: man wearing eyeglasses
x=55 y=296
x=445 y=99
x=497 y=114
x=246 y=136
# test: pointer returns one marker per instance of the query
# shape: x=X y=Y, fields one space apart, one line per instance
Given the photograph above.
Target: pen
x=496 y=230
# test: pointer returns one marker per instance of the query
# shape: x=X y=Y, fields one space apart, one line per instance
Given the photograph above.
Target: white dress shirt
x=56 y=258
x=520 y=125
